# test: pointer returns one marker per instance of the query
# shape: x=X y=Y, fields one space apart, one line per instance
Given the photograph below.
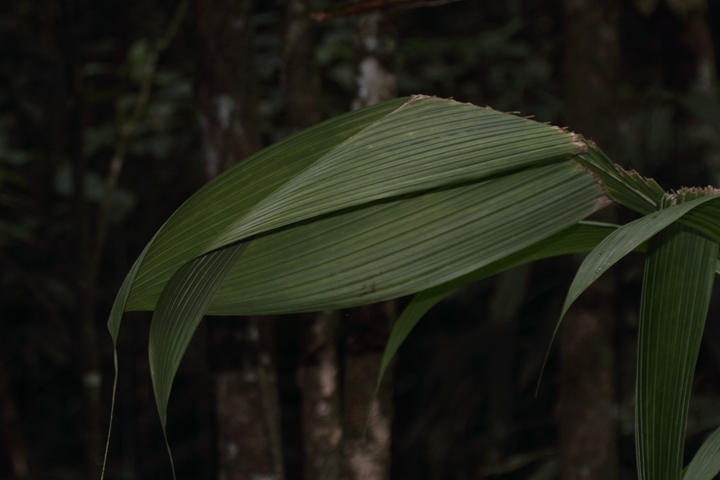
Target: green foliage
x=706 y=463
x=677 y=284
x=426 y=195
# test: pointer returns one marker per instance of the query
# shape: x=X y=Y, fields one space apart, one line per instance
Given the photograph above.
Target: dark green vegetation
x=409 y=196
x=109 y=94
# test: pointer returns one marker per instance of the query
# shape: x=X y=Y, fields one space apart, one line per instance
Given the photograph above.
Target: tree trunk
x=375 y=39
x=367 y=418
x=591 y=70
x=587 y=403
x=319 y=379
x=300 y=76
x=226 y=84
x=319 y=374
x=246 y=400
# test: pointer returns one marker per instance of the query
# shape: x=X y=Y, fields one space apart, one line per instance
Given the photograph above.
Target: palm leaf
x=402 y=147
x=178 y=313
x=385 y=201
x=679 y=274
x=706 y=463
x=627 y=238
x=396 y=248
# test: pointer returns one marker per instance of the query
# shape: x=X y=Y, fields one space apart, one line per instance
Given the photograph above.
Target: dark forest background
x=142 y=102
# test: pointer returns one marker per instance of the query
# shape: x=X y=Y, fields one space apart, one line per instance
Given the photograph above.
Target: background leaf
x=706 y=463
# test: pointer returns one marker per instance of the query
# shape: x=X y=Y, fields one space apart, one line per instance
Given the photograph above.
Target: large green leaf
x=379 y=252
x=403 y=246
x=677 y=284
x=402 y=147
x=706 y=463
x=382 y=202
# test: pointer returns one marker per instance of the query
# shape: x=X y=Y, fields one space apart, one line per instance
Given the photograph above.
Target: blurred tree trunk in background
x=242 y=349
x=375 y=42
x=508 y=299
x=226 y=83
x=587 y=405
x=319 y=381
x=367 y=419
x=319 y=374
x=299 y=74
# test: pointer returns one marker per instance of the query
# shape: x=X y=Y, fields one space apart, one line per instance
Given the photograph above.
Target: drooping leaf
x=178 y=313
x=380 y=252
x=706 y=463
x=114 y=328
x=624 y=241
x=578 y=238
x=677 y=284
x=379 y=203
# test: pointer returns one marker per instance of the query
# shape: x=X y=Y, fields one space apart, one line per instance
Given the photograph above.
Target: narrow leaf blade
x=578 y=238
x=114 y=328
x=706 y=463
x=178 y=313
x=677 y=284
x=622 y=242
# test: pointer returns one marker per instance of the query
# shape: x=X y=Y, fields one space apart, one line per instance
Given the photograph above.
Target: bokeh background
x=142 y=102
